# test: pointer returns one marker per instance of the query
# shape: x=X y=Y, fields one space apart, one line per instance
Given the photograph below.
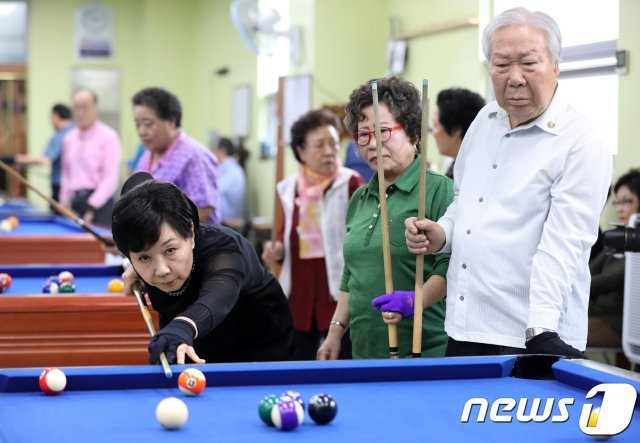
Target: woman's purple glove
x=399 y=301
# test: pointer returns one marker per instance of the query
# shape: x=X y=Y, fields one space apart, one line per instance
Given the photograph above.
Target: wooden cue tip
x=374 y=84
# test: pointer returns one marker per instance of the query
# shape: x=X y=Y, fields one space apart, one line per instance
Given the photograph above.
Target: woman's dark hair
x=139 y=214
x=311 y=121
x=631 y=180
x=458 y=107
x=164 y=103
x=401 y=98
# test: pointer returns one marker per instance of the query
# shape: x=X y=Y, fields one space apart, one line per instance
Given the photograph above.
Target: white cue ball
x=5 y=225
x=172 y=413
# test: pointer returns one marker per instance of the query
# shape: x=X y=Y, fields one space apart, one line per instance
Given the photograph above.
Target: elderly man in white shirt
x=530 y=182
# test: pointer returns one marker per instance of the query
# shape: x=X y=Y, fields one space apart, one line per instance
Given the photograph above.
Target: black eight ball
x=322 y=408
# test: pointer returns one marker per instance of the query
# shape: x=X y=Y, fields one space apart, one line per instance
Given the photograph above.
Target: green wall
x=446 y=59
x=181 y=44
x=629 y=96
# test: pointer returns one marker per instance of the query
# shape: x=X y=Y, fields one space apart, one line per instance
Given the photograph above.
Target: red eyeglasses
x=363 y=138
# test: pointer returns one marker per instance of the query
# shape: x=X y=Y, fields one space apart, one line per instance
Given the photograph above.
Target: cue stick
x=278 y=211
x=137 y=292
x=58 y=207
x=386 y=249
x=416 y=350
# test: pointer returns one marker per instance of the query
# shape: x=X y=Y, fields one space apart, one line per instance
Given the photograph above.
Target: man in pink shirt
x=90 y=162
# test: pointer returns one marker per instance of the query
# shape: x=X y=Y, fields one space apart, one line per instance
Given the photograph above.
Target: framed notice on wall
x=296 y=101
x=94 y=31
x=241 y=109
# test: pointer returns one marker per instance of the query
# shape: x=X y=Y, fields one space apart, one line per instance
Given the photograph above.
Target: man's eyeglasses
x=622 y=202
x=363 y=138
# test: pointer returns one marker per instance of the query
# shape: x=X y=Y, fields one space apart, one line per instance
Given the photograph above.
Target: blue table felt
x=46 y=225
x=378 y=400
x=89 y=279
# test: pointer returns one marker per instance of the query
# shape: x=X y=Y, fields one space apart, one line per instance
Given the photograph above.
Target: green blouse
x=363 y=276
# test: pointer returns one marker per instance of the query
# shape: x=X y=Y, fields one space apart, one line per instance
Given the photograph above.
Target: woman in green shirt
x=363 y=277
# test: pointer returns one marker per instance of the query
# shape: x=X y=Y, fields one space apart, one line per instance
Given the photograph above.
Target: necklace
x=186 y=285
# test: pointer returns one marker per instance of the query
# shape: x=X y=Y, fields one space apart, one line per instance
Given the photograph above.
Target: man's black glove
x=168 y=339
x=549 y=343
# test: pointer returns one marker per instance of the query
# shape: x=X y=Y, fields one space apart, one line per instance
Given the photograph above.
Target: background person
x=314 y=201
x=363 y=277
x=531 y=180
x=606 y=296
x=232 y=183
x=62 y=124
x=91 y=155
x=216 y=301
x=171 y=155
x=456 y=109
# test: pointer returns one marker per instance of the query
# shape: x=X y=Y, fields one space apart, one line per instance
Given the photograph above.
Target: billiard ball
x=265 y=406
x=52 y=285
x=5 y=281
x=116 y=285
x=13 y=221
x=322 y=408
x=172 y=413
x=5 y=225
x=52 y=381
x=192 y=382
x=66 y=288
x=65 y=277
x=293 y=395
x=287 y=414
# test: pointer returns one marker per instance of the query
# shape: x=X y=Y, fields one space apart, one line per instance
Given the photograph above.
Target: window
x=13 y=33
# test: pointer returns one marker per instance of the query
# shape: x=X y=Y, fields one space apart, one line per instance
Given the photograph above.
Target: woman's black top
x=239 y=308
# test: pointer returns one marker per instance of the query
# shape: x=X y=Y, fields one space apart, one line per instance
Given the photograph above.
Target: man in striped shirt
x=530 y=182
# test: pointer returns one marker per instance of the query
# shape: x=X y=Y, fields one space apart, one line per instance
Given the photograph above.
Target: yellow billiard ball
x=116 y=285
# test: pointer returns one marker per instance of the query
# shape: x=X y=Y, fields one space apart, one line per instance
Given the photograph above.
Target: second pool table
x=88 y=327
x=50 y=239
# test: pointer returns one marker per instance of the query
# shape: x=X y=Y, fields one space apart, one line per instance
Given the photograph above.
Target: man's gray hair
x=524 y=17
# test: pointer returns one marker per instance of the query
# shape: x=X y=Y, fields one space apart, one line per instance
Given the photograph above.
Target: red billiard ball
x=5 y=281
x=52 y=381
x=65 y=277
x=192 y=381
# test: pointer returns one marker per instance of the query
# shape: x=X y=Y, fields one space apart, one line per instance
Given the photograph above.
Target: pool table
x=88 y=327
x=49 y=239
x=410 y=400
x=17 y=207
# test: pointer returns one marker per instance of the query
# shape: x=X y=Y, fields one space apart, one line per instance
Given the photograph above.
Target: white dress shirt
x=525 y=215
